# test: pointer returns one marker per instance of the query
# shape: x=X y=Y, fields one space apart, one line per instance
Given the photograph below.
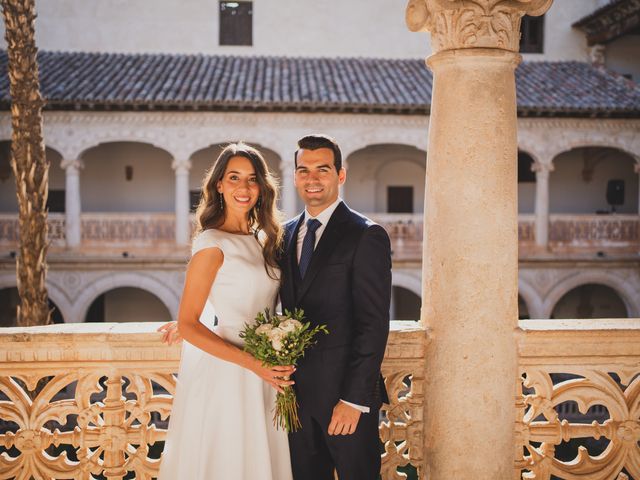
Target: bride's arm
x=201 y=272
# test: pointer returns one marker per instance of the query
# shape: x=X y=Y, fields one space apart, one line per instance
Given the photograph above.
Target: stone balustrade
x=579 y=417
x=104 y=393
x=157 y=230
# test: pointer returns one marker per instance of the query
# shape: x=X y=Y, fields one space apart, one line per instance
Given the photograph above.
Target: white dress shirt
x=323 y=217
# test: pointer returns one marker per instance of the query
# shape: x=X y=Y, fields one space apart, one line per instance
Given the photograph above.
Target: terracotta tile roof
x=91 y=81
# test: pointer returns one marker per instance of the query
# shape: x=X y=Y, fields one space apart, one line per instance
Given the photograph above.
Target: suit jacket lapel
x=291 y=257
x=330 y=237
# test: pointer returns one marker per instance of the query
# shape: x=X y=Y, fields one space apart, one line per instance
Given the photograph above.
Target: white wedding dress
x=221 y=425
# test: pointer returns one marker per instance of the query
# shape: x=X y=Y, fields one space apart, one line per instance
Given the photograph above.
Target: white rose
x=264 y=329
x=275 y=332
x=276 y=343
x=290 y=325
x=277 y=337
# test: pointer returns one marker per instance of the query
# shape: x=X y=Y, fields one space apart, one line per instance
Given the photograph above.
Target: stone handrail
x=105 y=391
x=104 y=395
x=143 y=230
x=573 y=371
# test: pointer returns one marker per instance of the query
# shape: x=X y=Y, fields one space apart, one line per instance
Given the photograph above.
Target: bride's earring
x=221 y=202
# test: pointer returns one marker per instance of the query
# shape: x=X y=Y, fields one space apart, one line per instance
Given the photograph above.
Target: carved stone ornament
x=456 y=24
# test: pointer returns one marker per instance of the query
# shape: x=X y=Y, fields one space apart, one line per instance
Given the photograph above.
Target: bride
x=221 y=423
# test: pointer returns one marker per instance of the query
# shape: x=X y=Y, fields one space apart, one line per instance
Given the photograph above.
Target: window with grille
x=236 y=23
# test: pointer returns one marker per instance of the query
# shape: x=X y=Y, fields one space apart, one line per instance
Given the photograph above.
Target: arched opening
x=405 y=305
x=8 y=199
x=590 y=180
x=590 y=300
x=9 y=301
x=127 y=304
x=386 y=178
x=202 y=161
x=526 y=183
x=523 y=309
x=140 y=173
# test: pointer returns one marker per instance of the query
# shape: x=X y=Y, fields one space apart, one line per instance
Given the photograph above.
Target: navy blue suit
x=347 y=287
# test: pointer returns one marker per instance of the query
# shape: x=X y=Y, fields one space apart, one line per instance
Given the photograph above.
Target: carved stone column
x=542 y=202
x=183 y=226
x=288 y=189
x=470 y=256
x=72 y=202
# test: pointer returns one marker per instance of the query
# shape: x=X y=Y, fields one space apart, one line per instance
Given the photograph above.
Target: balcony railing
x=579 y=417
x=93 y=399
x=105 y=392
x=157 y=230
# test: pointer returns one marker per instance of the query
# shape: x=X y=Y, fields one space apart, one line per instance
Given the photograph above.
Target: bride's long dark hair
x=264 y=216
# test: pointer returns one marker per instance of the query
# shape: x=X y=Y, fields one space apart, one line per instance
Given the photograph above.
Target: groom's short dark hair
x=316 y=141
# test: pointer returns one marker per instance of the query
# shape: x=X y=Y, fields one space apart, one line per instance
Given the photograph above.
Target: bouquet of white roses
x=281 y=340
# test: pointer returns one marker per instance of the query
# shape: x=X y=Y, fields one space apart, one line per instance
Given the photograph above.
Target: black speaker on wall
x=615 y=193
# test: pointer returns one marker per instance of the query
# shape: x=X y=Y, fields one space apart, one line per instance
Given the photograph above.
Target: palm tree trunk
x=28 y=161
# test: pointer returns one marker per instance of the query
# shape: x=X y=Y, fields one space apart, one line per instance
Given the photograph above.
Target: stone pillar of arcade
x=470 y=256
x=183 y=224
x=72 y=202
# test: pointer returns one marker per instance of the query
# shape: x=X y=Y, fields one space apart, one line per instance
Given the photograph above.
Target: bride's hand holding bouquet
x=280 y=341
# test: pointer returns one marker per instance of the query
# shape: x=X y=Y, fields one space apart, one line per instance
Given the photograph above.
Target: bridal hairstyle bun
x=264 y=216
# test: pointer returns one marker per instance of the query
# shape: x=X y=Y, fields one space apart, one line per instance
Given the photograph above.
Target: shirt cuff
x=357 y=407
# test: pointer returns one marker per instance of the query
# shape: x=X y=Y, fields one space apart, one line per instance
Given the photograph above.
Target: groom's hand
x=344 y=419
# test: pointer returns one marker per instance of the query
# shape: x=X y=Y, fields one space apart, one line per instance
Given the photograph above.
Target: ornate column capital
x=181 y=166
x=458 y=24
x=72 y=165
x=542 y=168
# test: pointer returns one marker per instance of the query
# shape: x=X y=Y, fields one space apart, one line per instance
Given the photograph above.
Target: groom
x=337 y=267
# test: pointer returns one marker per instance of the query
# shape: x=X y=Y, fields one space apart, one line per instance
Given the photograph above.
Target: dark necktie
x=308 y=244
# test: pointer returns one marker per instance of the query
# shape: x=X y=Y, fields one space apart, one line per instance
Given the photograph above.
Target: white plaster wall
x=283 y=27
x=372 y=169
x=104 y=188
x=623 y=56
x=569 y=193
x=371 y=28
x=561 y=41
x=134 y=305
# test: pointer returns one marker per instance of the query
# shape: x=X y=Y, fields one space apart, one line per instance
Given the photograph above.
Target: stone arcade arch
x=9 y=300
x=8 y=200
x=372 y=170
x=127 y=304
x=128 y=168
x=623 y=289
x=578 y=182
x=112 y=281
x=590 y=300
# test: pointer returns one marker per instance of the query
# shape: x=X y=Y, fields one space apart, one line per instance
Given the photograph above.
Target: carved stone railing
x=157 y=230
x=130 y=230
x=105 y=396
x=105 y=392
x=581 y=391
x=9 y=230
x=595 y=230
x=102 y=230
